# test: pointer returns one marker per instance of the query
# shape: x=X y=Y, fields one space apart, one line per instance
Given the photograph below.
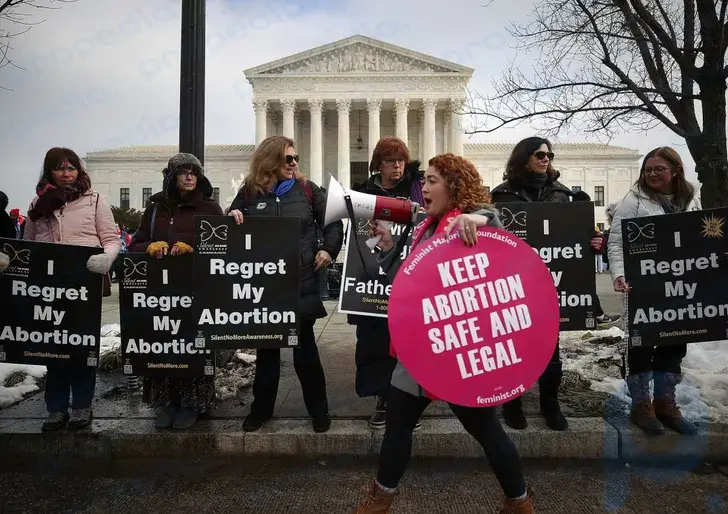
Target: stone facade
x=336 y=101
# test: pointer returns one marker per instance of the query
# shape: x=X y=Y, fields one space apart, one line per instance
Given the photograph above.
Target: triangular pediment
x=358 y=54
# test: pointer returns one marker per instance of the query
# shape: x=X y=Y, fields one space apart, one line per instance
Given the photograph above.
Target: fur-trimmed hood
x=188 y=161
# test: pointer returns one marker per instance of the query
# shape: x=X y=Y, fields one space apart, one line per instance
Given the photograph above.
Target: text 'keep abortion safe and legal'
x=676 y=266
x=44 y=320
x=247 y=282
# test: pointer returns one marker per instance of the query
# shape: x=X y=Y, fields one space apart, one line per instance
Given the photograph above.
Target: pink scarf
x=417 y=234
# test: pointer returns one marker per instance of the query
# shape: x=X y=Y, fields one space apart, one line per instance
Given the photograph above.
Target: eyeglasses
x=392 y=162
x=65 y=168
x=657 y=170
x=187 y=173
x=291 y=158
x=540 y=155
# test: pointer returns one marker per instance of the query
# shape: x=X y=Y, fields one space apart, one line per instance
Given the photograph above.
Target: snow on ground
x=703 y=394
x=23 y=379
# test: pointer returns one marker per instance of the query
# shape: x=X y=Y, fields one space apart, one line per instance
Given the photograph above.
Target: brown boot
x=524 y=506
x=643 y=415
x=666 y=409
x=376 y=502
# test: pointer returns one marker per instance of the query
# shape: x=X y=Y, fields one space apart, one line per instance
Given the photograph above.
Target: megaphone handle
x=372 y=242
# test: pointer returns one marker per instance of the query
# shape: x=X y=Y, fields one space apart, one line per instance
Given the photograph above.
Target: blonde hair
x=265 y=164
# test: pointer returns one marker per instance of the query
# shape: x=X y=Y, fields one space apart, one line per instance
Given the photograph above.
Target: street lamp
x=192 y=79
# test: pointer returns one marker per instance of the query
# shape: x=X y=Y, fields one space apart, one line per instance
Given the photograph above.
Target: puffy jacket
x=87 y=221
x=174 y=222
x=553 y=191
x=635 y=204
x=296 y=203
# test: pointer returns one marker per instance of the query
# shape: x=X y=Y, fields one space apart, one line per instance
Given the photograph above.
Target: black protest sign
x=560 y=234
x=51 y=305
x=247 y=282
x=363 y=293
x=676 y=266
x=157 y=326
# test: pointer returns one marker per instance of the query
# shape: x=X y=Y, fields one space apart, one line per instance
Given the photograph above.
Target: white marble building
x=336 y=101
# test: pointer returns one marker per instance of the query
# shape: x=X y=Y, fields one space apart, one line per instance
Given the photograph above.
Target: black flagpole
x=192 y=79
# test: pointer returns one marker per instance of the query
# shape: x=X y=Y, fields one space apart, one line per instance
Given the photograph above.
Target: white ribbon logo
x=634 y=231
x=19 y=255
x=208 y=231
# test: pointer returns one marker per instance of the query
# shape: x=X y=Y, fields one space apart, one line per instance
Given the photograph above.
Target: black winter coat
x=295 y=203
x=553 y=191
x=7 y=226
x=174 y=223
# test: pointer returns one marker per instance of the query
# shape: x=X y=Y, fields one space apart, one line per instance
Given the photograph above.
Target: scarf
x=417 y=234
x=52 y=198
x=283 y=186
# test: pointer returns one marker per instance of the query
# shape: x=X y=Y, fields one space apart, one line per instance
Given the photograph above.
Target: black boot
x=513 y=414
x=549 y=403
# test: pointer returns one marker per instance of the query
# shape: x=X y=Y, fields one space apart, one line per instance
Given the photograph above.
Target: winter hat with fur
x=185 y=161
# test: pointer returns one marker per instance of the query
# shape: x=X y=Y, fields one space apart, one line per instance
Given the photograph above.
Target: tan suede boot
x=376 y=502
x=524 y=506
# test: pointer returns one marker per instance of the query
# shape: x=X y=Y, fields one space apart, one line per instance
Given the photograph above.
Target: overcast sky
x=105 y=73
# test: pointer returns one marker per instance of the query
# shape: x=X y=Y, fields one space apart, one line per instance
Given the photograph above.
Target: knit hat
x=185 y=161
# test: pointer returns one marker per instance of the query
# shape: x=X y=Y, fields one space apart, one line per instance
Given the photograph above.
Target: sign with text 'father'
x=676 y=265
x=367 y=294
x=247 y=282
x=475 y=326
x=560 y=234
x=157 y=326
x=51 y=305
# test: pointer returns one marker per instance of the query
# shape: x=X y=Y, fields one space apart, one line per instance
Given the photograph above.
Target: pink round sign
x=474 y=326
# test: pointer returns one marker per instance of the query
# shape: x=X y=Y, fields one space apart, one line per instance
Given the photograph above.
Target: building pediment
x=358 y=55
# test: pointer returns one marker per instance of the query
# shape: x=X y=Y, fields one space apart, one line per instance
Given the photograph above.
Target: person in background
x=274 y=186
x=394 y=174
x=167 y=228
x=66 y=210
x=609 y=211
x=19 y=221
x=455 y=201
x=530 y=177
x=660 y=189
x=7 y=225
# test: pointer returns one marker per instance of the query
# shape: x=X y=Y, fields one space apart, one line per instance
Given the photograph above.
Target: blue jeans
x=62 y=381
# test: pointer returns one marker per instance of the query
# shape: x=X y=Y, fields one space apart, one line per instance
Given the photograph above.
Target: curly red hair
x=463 y=181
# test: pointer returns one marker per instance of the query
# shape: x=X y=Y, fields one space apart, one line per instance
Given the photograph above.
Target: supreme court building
x=336 y=101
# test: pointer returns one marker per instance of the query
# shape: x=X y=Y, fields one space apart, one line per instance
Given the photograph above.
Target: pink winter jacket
x=87 y=221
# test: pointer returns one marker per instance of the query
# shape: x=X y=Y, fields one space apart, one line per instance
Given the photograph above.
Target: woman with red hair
x=455 y=200
x=393 y=174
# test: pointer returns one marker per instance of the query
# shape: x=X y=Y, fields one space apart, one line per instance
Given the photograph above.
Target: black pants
x=656 y=358
x=598 y=306
x=62 y=381
x=403 y=411
x=550 y=380
x=308 y=367
x=374 y=364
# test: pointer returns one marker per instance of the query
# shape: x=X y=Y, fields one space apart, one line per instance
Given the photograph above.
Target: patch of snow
x=110 y=338
x=702 y=396
x=14 y=394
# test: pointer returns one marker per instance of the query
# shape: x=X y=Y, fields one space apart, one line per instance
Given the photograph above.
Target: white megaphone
x=383 y=208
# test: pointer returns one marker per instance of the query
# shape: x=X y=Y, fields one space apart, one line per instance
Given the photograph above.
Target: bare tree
x=614 y=65
x=16 y=18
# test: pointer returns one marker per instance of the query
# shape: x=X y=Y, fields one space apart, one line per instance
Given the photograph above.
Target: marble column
x=402 y=108
x=315 y=106
x=261 y=120
x=457 y=126
x=446 y=147
x=374 y=106
x=421 y=140
x=429 y=105
x=288 y=107
x=343 y=169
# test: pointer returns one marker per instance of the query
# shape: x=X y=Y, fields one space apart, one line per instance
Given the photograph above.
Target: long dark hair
x=517 y=166
x=55 y=157
x=682 y=190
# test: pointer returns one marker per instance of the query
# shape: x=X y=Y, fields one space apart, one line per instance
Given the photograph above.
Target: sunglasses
x=540 y=155
x=291 y=158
